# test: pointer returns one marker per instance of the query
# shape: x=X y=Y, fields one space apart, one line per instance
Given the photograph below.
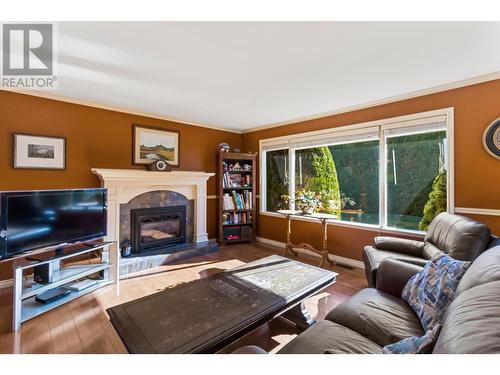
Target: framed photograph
x=151 y=144
x=39 y=152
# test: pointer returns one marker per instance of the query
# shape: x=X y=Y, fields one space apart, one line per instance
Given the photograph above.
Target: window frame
x=445 y=115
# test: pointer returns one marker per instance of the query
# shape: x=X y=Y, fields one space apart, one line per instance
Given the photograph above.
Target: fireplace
x=157 y=228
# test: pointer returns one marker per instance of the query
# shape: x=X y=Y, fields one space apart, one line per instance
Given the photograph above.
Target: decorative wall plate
x=491 y=138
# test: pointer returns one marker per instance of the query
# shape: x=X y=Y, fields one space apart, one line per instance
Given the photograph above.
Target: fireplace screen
x=157 y=228
x=160 y=228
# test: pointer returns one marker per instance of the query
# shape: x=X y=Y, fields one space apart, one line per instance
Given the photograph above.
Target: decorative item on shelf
x=223 y=147
x=126 y=249
x=160 y=165
x=491 y=138
x=236 y=149
x=39 y=152
x=154 y=144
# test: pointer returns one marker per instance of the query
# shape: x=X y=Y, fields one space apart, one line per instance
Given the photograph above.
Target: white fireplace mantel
x=125 y=184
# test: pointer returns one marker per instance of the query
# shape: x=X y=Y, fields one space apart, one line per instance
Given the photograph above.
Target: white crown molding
x=47 y=95
x=338 y=259
x=433 y=90
x=393 y=99
x=477 y=211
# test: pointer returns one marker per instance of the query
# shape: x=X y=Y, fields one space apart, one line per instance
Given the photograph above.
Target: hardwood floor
x=82 y=326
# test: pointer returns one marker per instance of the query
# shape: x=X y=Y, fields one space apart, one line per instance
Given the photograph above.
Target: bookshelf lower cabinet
x=236 y=191
x=238 y=233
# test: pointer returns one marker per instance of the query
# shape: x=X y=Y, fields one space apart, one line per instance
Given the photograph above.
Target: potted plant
x=306 y=201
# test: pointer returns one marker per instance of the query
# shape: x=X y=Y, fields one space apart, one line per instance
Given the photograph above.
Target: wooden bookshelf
x=236 y=197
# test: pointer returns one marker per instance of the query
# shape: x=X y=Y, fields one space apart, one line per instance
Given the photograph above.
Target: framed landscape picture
x=39 y=152
x=151 y=144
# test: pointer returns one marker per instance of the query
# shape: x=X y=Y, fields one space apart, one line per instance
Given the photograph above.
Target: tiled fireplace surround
x=153 y=199
x=129 y=189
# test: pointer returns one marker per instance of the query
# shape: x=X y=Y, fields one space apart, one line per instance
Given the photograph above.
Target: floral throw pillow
x=431 y=290
x=415 y=345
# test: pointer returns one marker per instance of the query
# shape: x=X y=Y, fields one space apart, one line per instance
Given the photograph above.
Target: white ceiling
x=237 y=75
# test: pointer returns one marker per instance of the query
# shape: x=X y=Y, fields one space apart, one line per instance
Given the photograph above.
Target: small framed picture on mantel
x=39 y=152
x=152 y=144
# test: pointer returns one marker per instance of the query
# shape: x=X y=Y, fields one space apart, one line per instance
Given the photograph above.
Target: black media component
x=42 y=274
x=52 y=295
x=32 y=220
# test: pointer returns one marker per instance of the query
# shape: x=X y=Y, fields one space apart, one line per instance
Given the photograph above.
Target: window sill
x=348 y=224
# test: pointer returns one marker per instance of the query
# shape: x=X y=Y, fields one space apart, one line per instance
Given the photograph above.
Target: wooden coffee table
x=206 y=315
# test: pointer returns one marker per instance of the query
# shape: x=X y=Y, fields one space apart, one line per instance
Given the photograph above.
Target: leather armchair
x=458 y=236
x=375 y=317
x=393 y=275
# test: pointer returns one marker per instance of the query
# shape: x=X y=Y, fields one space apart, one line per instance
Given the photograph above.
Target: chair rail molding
x=477 y=211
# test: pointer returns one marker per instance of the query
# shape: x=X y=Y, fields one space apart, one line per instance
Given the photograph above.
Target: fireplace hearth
x=157 y=228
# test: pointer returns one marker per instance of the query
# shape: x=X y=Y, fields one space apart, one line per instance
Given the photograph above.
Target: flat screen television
x=32 y=220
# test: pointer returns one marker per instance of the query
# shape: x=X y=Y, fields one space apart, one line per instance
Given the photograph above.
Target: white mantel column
x=200 y=209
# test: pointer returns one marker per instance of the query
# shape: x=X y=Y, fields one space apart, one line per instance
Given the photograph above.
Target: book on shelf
x=228 y=202
x=236 y=180
x=237 y=218
x=247 y=198
x=236 y=199
x=241 y=201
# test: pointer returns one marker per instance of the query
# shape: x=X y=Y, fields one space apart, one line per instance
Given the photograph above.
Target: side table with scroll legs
x=323 y=218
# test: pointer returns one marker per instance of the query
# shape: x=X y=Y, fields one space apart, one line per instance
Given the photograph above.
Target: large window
x=391 y=175
x=416 y=177
x=347 y=176
x=277 y=180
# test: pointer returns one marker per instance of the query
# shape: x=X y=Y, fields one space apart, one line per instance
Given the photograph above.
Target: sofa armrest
x=393 y=274
x=400 y=245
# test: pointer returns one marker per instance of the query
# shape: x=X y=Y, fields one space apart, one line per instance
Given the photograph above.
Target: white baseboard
x=336 y=258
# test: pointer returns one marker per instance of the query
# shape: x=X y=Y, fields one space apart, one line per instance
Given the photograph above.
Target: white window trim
x=444 y=114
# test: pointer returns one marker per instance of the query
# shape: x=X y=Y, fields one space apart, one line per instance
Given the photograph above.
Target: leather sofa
x=458 y=236
x=375 y=317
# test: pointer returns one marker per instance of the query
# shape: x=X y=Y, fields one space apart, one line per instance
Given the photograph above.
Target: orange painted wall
x=95 y=138
x=103 y=138
x=477 y=174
